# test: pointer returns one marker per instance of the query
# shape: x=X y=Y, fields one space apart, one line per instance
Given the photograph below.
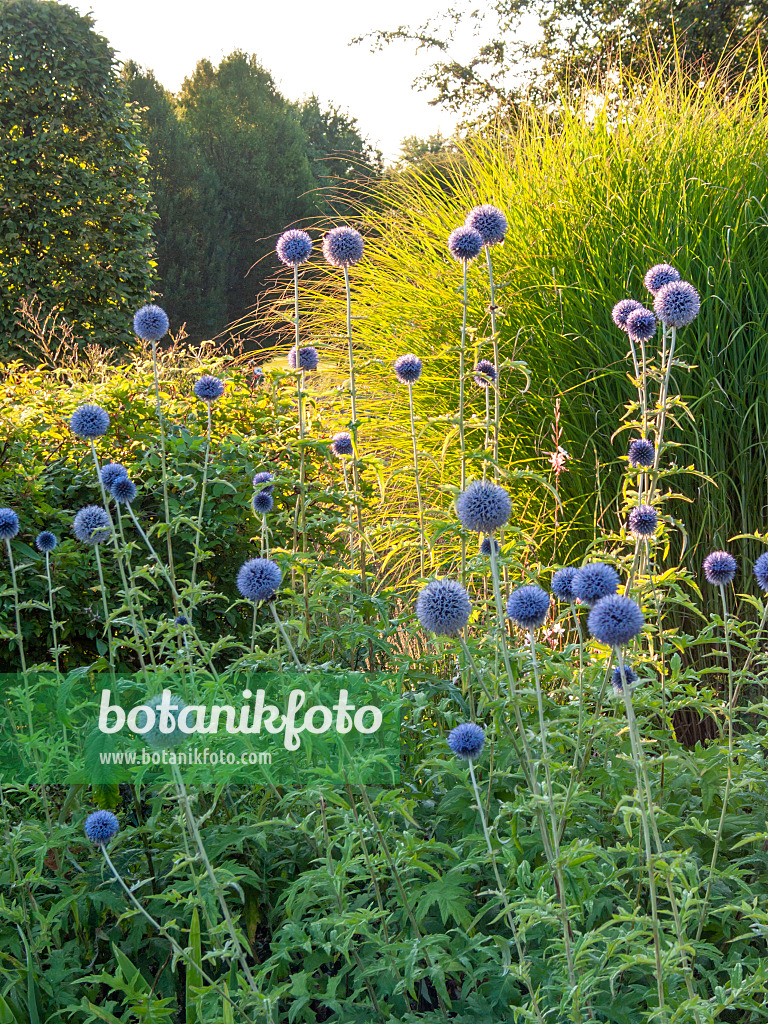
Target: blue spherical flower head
x=151 y=323
x=562 y=583
x=466 y=740
x=483 y=506
x=465 y=243
x=642 y=453
x=408 y=368
x=9 y=523
x=489 y=222
x=658 y=276
x=528 y=606
x=719 y=568
x=262 y=481
x=615 y=620
x=89 y=421
x=593 y=582
x=262 y=503
x=111 y=471
x=616 y=681
x=101 y=827
x=209 y=388
x=343 y=247
x=293 y=247
x=443 y=607
x=643 y=520
x=485 y=373
x=489 y=544
x=155 y=738
x=677 y=304
x=181 y=620
x=123 y=490
x=91 y=525
x=621 y=311
x=259 y=578
x=308 y=358
x=46 y=541
x=760 y=570
x=641 y=324
x=341 y=444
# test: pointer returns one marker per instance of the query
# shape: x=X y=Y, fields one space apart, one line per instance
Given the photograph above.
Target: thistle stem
x=107 y=624
x=353 y=425
x=163 y=467
x=462 y=371
x=497 y=364
x=284 y=635
x=50 y=606
x=416 y=478
x=198 y=538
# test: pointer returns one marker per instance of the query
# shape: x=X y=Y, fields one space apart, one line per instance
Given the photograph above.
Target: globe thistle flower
x=489 y=222
x=443 y=607
x=485 y=373
x=719 y=568
x=489 y=544
x=262 y=503
x=465 y=243
x=760 y=570
x=615 y=620
x=101 y=827
x=642 y=453
x=9 y=523
x=562 y=583
x=343 y=247
x=89 y=421
x=209 y=388
x=46 y=541
x=408 y=368
x=91 y=525
x=677 y=304
x=181 y=620
x=308 y=358
x=641 y=324
x=658 y=276
x=467 y=740
x=293 y=247
x=151 y=323
x=154 y=737
x=643 y=520
x=341 y=444
x=528 y=606
x=621 y=311
x=593 y=582
x=259 y=578
x=616 y=681
x=111 y=471
x=483 y=507
x=263 y=478
x=123 y=490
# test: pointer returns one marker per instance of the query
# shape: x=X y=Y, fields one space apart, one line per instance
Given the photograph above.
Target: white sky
x=303 y=43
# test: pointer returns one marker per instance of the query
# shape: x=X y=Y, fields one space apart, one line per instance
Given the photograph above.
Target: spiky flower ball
x=466 y=740
x=719 y=568
x=483 y=506
x=151 y=323
x=642 y=453
x=616 y=681
x=677 y=304
x=262 y=503
x=91 y=525
x=263 y=481
x=408 y=368
x=209 y=388
x=641 y=324
x=259 y=578
x=343 y=247
x=489 y=222
x=562 y=583
x=643 y=520
x=489 y=544
x=465 y=243
x=658 y=276
x=308 y=358
x=443 y=607
x=111 y=471
x=621 y=311
x=341 y=444
x=593 y=582
x=155 y=738
x=181 y=620
x=293 y=247
x=101 y=827
x=123 y=490
x=89 y=421
x=485 y=373
x=615 y=620
x=46 y=541
x=760 y=570
x=9 y=523
x=528 y=606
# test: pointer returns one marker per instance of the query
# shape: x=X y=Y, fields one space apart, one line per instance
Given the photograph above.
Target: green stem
x=163 y=467
x=107 y=623
x=198 y=539
x=462 y=371
x=497 y=364
x=50 y=606
x=422 y=545
x=353 y=426
x=663 y=395
x=284 y=635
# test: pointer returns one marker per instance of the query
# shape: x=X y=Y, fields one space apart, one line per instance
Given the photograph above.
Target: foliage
x=76 y=224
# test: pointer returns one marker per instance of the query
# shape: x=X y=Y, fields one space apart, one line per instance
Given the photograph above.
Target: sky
x=303 y=43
